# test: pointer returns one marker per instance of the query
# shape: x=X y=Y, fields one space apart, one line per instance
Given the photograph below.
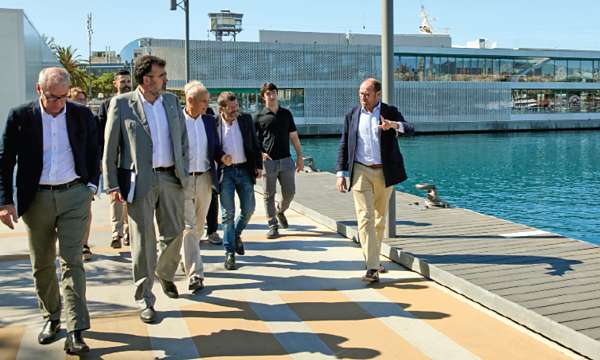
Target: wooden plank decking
x=544 y=281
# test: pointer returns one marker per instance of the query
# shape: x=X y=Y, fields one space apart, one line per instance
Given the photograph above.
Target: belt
x=373 y=166
x=64 y=186
x=163 y=169
x=197 y=173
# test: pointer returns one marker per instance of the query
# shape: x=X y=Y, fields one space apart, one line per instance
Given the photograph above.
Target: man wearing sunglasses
x=54 y=144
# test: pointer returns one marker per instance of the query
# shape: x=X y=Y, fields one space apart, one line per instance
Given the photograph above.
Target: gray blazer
x=128 y=144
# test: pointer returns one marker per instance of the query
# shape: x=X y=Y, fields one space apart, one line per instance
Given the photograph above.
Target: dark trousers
x=212 y=218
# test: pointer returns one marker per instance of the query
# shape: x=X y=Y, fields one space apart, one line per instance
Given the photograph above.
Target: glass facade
x=527 y=101
x=249 y=99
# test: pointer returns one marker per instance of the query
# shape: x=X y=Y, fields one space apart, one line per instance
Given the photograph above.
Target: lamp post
x=387 y=80
x=90 y=31
x=185 y=6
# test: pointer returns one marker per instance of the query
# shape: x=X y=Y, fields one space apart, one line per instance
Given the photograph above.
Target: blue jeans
x=235 y=179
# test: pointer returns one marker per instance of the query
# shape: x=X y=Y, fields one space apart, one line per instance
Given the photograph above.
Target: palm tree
x=72 y=63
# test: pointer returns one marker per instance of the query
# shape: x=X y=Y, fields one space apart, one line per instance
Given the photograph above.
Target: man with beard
x=118 y=210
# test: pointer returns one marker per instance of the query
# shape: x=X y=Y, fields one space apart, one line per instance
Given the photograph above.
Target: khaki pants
x=198 y=194
x=118 y=218
x=166 y=199
x=62 y=215
x=371 y=199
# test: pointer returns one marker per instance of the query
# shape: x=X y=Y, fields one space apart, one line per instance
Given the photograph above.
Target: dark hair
x=123 y=72
x=268 y=86
x=225 y=97
x=143 y=66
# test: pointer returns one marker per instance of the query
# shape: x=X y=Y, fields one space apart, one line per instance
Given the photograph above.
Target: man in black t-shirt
x=275 y=128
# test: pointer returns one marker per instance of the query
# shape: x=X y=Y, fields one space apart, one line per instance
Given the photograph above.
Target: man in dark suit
x=118 y=210
x=370 y=156
x=54 y=144
x=238 y=138
x=205 y=152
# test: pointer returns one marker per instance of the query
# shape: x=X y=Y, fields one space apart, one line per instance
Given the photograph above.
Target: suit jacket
x=22 y=145
x=102 y=117
x=391 y=157
x=251 y=147
x=128 y=144
x=215 y=150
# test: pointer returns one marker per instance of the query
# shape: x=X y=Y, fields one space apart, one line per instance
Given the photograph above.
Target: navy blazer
x=22 y=145
x=391 y=157
x=251 y=147
x=215 y=151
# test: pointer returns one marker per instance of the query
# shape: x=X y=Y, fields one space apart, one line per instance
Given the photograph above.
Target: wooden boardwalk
x=544 y=281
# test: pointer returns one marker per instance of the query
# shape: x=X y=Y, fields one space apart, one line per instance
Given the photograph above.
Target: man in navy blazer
x=370 y=157
x=54 y=144
x=204 y=153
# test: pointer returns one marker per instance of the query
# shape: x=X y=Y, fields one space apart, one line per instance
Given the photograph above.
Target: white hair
x=53 y=76
x=194 y=88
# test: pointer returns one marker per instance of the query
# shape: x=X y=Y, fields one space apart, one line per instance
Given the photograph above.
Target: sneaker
x=115 y=243
x=215 y=239
x=273 y=233
x=371 y=276
x=230 y=261
x=87 y=253
x=282 y=220
x=196 y=284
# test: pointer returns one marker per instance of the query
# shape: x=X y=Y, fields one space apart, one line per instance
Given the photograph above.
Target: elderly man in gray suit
x=146 y=164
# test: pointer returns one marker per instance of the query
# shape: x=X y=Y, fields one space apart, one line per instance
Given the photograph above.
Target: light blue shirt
x=368 y=148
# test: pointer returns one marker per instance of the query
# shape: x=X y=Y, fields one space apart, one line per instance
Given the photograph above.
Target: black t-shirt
x=273 y=131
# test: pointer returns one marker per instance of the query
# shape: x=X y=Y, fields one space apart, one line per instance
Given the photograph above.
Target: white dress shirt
x=198 y=143
x=368 y=148
x=233 y=142
x=58 y=163
x=162 y=149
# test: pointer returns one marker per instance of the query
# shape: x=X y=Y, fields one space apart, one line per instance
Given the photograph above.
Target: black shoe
x=49 y=332
x=74 y=345
x=273 y=233
x=115 y=243
x=282 y=220
x=230 y=261
x=148 y=315
x=196 y=284
x=169 y=288
x=371 y=276
x=86 y=253
x=239 y=246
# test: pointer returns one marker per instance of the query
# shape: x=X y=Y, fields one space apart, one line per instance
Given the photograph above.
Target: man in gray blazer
x=146 y=164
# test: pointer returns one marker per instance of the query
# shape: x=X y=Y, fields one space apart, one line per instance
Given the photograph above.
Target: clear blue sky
x=511 y=23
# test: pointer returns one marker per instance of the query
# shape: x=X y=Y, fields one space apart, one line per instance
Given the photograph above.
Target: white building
x=24 y=54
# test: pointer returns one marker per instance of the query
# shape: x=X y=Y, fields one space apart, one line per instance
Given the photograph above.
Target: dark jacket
x=391 y=158
x=215 y=151
x=251 y=147
x=22 y=145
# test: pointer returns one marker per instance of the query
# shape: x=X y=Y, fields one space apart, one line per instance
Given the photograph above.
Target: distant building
x=24 y=54
x=438 y=87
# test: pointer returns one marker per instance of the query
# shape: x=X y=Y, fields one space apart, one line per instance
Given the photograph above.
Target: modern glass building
x=438 y=87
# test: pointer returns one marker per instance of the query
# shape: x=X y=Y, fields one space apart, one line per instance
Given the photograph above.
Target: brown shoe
x=371 y=276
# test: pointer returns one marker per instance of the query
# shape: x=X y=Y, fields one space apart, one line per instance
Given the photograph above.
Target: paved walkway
x=299 y=296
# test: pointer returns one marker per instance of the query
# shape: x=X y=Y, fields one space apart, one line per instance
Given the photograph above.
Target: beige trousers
x=198 y=194
x=118 y=218
x=371 y=198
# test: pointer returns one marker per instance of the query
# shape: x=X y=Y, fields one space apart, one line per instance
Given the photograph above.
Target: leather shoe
x=196 y=284
x=74 y=344
x=282 y=220
x=273 y=233
x=169 y=288
x=115 y=243
x=49 y=332
x=148 y=315
x=371 y=276
x=230 y=261
x=239 y=246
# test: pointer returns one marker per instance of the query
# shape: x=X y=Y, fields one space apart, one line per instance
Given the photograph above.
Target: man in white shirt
x=146 y=163
x=54 y=145
x=238 y=138
x=204 y=149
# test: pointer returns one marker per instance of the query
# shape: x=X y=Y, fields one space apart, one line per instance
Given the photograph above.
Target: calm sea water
x=548 y=180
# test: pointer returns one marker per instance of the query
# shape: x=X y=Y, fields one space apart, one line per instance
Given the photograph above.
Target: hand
x=258 y=173
x=116 y=196
x=341 y=184
x=226 y=159
x=299 y=164
x=266 y=156
x=387 y=124
x=8 y=214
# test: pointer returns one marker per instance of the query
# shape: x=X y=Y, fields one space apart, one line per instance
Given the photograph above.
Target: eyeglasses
x=53 y=98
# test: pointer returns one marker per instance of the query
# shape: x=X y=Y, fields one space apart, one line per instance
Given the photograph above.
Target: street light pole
x=387 y=77
x=186 y=46
x=90 y=31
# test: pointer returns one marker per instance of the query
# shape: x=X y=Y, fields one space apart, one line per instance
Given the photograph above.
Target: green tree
x=103 y=84
x=72 y=63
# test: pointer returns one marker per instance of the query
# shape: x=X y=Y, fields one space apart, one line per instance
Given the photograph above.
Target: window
x=574 y=70
x=560 y=70
x=587 y=70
